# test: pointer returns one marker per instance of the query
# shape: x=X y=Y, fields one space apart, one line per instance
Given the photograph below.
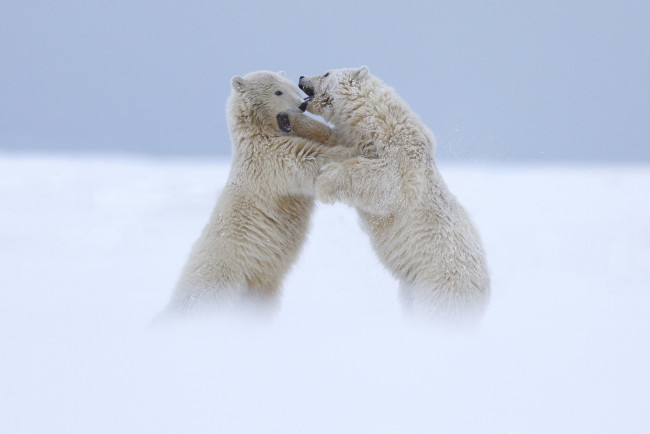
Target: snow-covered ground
x=91 y=247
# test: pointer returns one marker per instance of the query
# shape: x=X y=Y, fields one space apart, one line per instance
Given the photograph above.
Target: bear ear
x=238 y=83
x=361 y=73
x=282 y=73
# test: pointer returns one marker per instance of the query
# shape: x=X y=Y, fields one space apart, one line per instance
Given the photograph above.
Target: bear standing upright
x=260 y=221
x=417 y=227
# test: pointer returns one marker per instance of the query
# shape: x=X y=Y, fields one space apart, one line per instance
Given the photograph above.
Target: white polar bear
x=261 y=218
x=417 y=227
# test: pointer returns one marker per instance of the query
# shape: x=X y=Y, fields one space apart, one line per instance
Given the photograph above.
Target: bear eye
x=278 y=92
x=326 y=74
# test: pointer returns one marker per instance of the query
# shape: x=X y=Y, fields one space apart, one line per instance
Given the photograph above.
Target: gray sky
x=553 y=80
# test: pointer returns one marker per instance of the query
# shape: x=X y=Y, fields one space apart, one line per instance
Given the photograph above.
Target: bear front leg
x=369 y=184
x=305 y=158
x=342 y=153
x=311 y=129
x=303 y=161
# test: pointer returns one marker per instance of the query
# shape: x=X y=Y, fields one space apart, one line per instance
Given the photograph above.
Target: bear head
x=268 y=96
x=329 y=94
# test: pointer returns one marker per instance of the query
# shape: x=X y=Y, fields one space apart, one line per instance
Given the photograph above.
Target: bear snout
x=303 y=106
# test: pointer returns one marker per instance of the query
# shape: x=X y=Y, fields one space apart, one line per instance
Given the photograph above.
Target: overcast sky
x=552 y=80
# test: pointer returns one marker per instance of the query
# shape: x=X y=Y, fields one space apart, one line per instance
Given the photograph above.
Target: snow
x=91 y=248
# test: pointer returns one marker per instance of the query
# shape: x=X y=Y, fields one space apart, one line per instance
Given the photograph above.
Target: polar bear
x=260 y=220
x=419 y=230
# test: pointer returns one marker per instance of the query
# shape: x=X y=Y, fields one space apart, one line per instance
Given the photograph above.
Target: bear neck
x=382 y=114
x=358 y=107
x=245 y=124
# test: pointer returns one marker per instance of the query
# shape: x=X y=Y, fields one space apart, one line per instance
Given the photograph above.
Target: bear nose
x=302 y=76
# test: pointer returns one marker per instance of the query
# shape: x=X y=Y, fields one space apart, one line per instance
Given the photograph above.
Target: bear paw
x=327 y=183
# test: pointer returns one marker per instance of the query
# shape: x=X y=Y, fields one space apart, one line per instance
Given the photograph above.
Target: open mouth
x=308 y=90
x=283 y=122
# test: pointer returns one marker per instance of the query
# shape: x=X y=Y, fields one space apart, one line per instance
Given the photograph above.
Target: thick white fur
x=260 y=221
x=419 y=230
